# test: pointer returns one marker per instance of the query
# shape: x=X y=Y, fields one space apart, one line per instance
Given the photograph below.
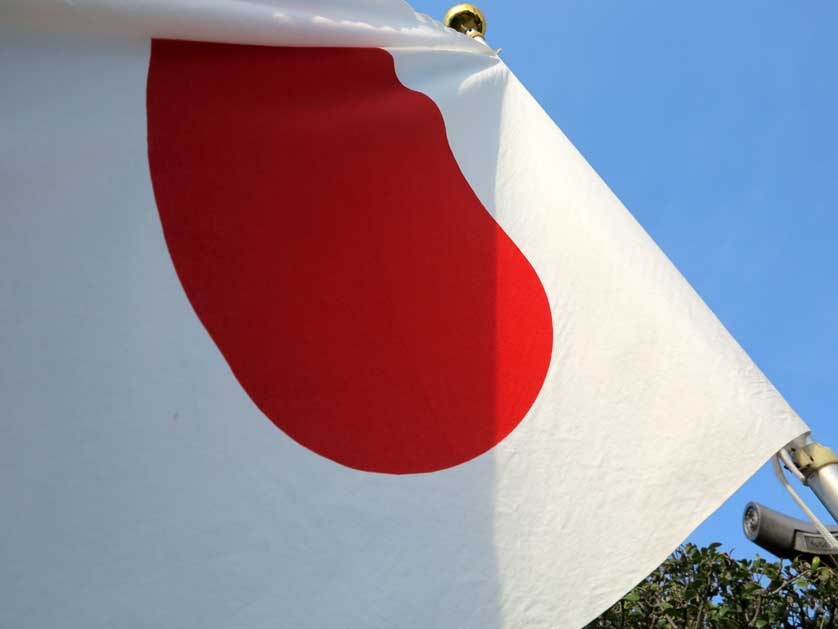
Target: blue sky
x=716 y=125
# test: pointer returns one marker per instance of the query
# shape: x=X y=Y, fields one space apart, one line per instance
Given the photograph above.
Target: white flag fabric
x=311 y=317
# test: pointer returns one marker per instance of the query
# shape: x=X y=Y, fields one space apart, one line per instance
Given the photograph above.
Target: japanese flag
x=311 y=317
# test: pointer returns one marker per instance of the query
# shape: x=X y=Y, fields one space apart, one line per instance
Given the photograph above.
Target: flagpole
x=816 y=465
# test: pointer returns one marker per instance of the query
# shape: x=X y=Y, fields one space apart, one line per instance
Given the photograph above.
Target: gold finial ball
x=467 y=19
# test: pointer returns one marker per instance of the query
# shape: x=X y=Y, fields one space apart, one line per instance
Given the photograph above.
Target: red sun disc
x=329 y=243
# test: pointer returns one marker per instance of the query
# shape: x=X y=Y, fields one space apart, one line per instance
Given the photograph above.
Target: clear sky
x=715 y=124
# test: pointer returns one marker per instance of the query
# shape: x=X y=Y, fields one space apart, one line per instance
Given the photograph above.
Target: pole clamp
x=812 y=457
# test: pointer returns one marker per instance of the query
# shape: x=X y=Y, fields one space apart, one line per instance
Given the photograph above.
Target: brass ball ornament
x=466 y=18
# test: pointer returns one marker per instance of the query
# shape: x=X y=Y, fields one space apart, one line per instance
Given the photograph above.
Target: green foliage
x=698 y=588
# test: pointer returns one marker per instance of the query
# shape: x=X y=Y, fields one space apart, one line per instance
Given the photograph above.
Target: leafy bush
x=702 y=587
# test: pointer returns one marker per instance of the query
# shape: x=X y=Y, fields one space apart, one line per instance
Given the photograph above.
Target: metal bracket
x=812 y=457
